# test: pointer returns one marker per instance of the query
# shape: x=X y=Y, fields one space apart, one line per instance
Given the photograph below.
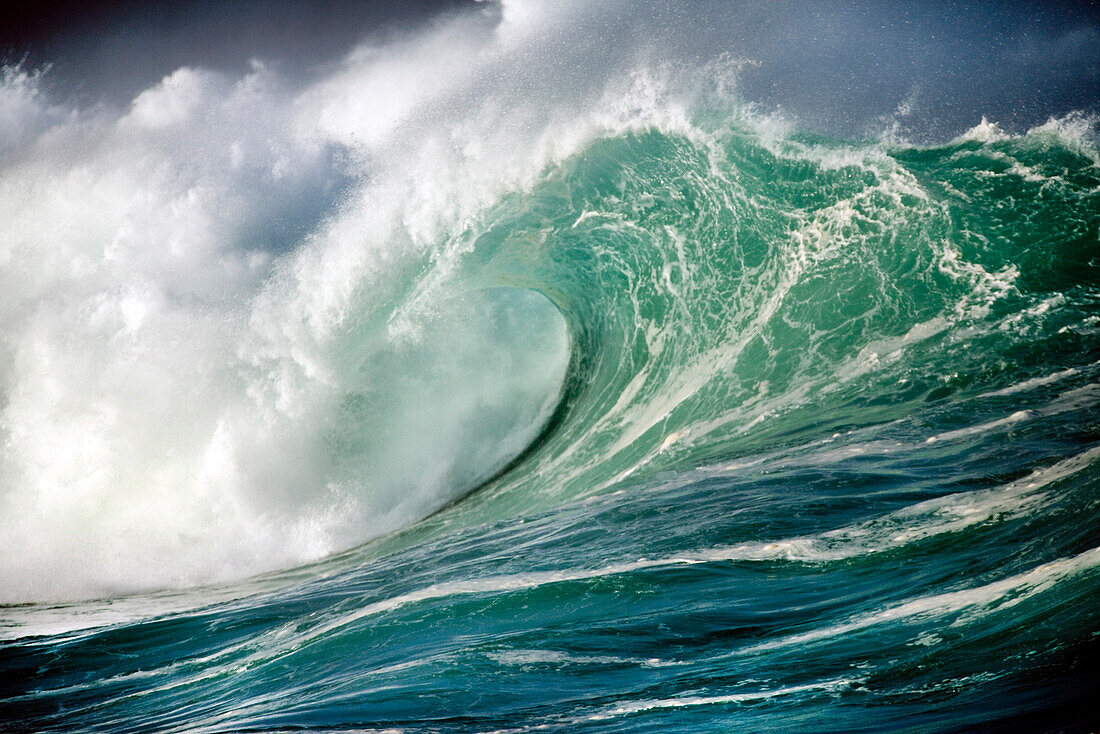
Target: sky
x=838 y=67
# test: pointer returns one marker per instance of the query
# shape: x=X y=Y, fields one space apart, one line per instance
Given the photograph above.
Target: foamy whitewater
x=515 y=374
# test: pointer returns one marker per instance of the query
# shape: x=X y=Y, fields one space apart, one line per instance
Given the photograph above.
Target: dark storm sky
x=115 y=49
x=837 y=66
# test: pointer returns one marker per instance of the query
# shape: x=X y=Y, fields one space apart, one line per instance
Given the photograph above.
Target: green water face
x=730 y=294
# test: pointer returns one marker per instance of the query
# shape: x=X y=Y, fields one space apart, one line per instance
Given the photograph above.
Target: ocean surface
x=663 y=415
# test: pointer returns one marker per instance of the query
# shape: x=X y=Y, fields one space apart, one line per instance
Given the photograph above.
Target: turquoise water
x=753 y=430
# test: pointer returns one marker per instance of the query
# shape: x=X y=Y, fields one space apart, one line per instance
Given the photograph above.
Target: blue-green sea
x=705 y=422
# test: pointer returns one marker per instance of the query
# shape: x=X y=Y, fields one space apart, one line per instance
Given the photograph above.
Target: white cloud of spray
x=128 y=246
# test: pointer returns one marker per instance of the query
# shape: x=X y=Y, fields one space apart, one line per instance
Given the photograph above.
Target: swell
x=807 y=288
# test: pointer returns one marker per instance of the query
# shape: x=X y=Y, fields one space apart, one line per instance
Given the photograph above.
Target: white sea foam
x=558 y=658
x=984 y=132
x=943 y=515
x=953 y=608
x=626 y=708
x=1076 y=131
